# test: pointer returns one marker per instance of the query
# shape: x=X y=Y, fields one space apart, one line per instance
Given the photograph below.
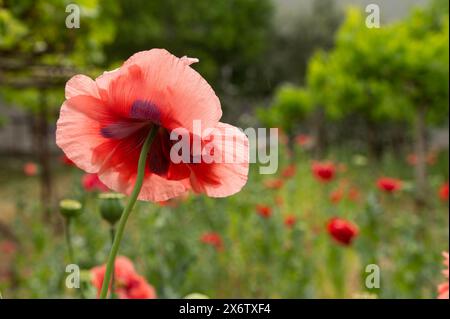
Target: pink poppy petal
x=81 y=85
x=231 y=176
x=78 y=135
x=180 y=94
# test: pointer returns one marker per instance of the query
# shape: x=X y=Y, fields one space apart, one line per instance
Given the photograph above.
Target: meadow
x=268 y=241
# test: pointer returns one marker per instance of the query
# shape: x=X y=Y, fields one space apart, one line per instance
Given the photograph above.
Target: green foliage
x=290 y=106
x=386 y=73
x=34 y=38
x=227 y=36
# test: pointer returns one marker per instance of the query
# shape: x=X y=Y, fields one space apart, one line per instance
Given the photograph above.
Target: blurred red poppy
x=342 y=231
x=279 y=200
x=66 y=161
x=430 y=159
x=443 y=192
x=353 y=194
x=264 y=211
x=128 y=284
x=303 y=140
x=443 y=288
x=388 y=184
x=30 y=169
x=213 y=239
x=91 y=183
x=290 y=220
x=7 y=247
x=289 y=171
x=274 y=183
x=337 y=195
x=324 y=171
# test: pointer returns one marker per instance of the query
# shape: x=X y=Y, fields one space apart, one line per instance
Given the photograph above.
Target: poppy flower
x=212 y=239
x=91 y=183
x=66 y=161
x=342 y=230
x=324 y=171
x=290 y=220
x=337 y=195
x=303 y=140
x=443 y=288
x=264 y=211
x=388 y=184
x=443 y=192
x=279 y=200
x=127 y=283
x=289 y=171
x=7 y=247
x=103 y=124
x=30 y=169
x=353 y=194
x=430 y=159
x=274 y=183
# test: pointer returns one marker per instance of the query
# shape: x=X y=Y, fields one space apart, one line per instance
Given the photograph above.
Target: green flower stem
x=69 y=240
x=126 y=212
x=113 y=235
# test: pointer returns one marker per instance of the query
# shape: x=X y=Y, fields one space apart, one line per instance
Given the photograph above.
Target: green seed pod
x=196 y=295
x=70 y=208
x=111 y=206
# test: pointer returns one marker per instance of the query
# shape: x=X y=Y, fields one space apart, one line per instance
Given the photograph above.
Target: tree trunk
x=421 y=154
x=44 y=158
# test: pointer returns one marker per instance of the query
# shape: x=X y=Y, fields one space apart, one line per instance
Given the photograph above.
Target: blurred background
x=368 y=102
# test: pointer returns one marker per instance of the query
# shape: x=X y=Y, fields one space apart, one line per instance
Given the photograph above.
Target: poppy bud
x=196 y=295
x=111 y=206
x=70 y=208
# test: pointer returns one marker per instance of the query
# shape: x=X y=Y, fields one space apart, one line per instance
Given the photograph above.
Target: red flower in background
x=443 y=288
x=337 y=195
x=289 y=171
x=303 y=140
x=443 y=192
x=324 y=171
x=264 y=211
x=128 y=284
x=213 y=239
x=353 y=194
x=279 y=200
x=289 y=221
x=66 y=161
x=430 y=159
x=388 y=184
x=274 y=183
x=30 y=169
x=91 y=182
x=7 y=247
x=342 y=230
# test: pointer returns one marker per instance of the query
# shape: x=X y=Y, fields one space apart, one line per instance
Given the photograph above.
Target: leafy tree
x=290 y=106
x=396 y=73
x=38 y=54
